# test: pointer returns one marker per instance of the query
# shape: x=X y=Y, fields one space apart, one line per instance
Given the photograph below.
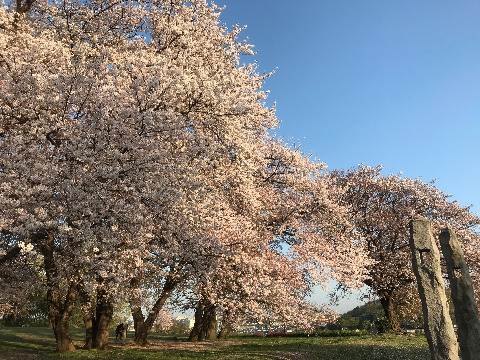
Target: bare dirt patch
x=207 y=345
x=178 y=345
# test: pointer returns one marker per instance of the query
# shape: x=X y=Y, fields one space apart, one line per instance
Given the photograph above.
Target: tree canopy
x=136 y=159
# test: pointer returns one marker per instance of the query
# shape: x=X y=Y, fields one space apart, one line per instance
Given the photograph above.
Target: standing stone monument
x=465 y=306
x=426 y=266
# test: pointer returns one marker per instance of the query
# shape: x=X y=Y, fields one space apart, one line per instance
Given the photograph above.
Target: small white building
x=189 y=322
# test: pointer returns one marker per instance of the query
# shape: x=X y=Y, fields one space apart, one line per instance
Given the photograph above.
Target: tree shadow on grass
x=26 y=343
x=39 y=344
x=321 y=351
x=31 y=338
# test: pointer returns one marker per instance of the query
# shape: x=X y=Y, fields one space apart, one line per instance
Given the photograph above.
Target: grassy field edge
x=39 y=344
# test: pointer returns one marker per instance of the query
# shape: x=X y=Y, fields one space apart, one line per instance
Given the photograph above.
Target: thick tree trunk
x=143 y=326
x=205 y=326
x=59 y=315
x=389 y=311
x=88 y=321
x=138 y=319
x=141 y=333
x=87 y=313
x=103 y=318
x=226 y=325
x=63 y=339
x=137 y=315
x=210 y=322
x=136 y=306
x=196 y=332
x=225 y=330
x=59 y=308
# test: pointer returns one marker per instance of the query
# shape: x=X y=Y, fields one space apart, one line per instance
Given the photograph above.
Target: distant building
x=189 y=322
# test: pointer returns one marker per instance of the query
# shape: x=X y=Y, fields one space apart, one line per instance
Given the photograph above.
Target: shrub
x=383 y=325
x=276 y=334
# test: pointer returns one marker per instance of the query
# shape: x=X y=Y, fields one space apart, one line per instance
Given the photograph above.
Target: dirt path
x=206 y=345
x=176 y=345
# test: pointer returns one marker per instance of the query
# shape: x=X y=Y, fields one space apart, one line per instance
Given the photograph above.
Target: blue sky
x=392 y=83
x=379 y=82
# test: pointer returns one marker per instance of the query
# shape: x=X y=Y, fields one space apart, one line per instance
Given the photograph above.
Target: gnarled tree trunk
x=196 y=332
x=88 y=321
x=205 y=326
x=88 y=316
x=225 y=331
x=143 y=326
x=103 y=318
x=210 y=316
x=389 y=310
x=59 y=307
x=61 y=329
x=226 y=326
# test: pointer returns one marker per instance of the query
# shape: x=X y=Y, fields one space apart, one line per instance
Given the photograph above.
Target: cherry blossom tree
x=164 y=321
x=20 y=277
x=380 y=210
x=297 y=237
x=67 y=160
x=135 y=156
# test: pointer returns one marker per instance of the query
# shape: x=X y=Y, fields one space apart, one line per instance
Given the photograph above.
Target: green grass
x=39 y=344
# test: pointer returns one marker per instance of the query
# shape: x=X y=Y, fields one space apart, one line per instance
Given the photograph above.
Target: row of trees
x=380 y=209
x=136 y=162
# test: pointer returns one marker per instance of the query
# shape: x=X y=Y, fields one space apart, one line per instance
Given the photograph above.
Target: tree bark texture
x=210 y=316
x=88 y=316
x=143 y=326
x=205 y=326
x=103 y=318
x=59 y=307
x=225 y=331
x=226 y=326
x=195 y=333
x=389 y=310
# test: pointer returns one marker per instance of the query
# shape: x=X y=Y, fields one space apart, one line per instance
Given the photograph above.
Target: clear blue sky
x=392 y=83
x=379 y=82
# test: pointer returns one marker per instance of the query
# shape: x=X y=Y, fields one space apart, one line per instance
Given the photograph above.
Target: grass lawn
x=39 y=344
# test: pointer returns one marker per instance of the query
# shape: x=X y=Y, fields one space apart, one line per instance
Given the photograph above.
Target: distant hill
x=361 y=317
x=368 y=317
x=371 y=311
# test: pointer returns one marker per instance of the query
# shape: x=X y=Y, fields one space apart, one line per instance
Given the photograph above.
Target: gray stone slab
x=439 y=330
x=465 y=306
